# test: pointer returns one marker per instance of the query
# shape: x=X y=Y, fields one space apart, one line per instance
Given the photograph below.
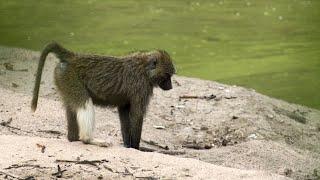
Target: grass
x=272 y=46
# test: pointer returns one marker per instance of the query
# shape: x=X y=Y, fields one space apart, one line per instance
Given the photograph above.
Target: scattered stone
x=252 y=136
x=235 y=117
x=159 y=127
x=230 y=97
x=204 y=128
x=14 y=85
x=287 y=172
x=270 y=116
x=180 y=106
x=289 y=140
x=8 y=66
x=224 y=142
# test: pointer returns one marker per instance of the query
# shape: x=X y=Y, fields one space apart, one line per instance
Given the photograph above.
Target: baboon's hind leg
x=73 y=128
x=74 y=96
x=79 y=106
x=85 y=119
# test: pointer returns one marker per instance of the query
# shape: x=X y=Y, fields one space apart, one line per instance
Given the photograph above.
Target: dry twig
x=89 y=162
x=125 y=173
x=59 y=173
x=15 y=166
x=43 y=147
x=6 y=175
x=50 y=132
x=212 y=96
x=7 y=124
x=147 y=177
x=169 y=152
x=197 y=146
x=150 y=142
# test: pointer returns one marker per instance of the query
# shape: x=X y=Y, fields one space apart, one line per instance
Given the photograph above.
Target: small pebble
x=159 y=127
x=252 y=136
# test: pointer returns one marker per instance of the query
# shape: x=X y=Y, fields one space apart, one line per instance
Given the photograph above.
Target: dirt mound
x=215 y=123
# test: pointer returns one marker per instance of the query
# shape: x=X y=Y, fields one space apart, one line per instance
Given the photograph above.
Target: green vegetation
x=272 y=46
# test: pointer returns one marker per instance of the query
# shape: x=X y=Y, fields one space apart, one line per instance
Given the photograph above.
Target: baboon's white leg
x=85 y=118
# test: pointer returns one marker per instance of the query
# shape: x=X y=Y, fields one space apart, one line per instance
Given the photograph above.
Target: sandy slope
x=239 y=128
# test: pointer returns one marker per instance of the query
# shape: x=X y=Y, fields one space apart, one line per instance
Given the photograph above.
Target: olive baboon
x=87 y=80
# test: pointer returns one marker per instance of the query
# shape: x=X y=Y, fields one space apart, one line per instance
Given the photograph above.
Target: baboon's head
x=160 y=69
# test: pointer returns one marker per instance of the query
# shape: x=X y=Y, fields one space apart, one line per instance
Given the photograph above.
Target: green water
x=271 y=46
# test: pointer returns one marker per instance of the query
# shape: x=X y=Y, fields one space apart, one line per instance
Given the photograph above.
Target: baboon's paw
x=101 y=143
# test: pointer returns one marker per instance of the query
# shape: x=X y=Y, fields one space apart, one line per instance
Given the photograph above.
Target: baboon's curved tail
x=61 y=53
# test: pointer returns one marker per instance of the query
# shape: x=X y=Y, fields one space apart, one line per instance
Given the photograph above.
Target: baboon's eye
x=153 y=63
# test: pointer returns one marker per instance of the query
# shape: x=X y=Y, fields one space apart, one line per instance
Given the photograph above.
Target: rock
x=252 y=136
x=14 y=85
x=8 y=66
x=159 y=127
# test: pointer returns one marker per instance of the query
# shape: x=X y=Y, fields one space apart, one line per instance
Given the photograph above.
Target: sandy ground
x=233 y=133
x=115 y=162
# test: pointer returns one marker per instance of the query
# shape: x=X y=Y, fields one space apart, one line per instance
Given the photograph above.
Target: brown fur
x=126 y=82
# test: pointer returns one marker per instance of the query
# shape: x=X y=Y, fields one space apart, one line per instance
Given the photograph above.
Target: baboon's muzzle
x=166 y=84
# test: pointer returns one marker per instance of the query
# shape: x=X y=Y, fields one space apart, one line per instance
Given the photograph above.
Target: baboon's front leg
x=136 y=119
x=125 y=124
